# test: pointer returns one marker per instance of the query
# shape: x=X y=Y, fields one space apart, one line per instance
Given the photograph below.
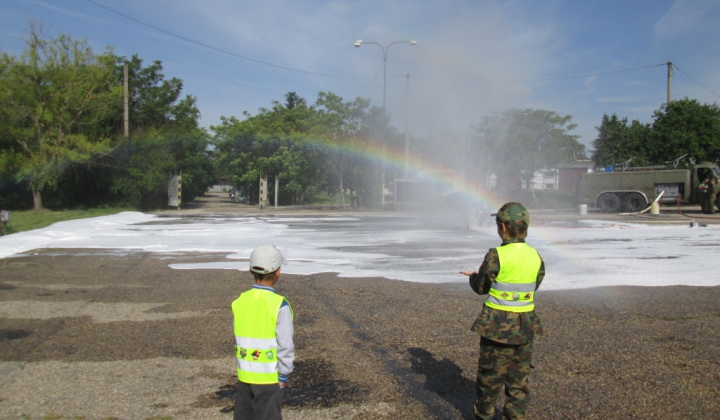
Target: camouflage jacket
x=498 y=325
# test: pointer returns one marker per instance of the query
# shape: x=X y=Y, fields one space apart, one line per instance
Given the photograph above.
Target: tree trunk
x=37 y=198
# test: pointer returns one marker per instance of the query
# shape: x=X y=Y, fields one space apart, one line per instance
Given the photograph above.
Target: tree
x=193 y=160
x=350 y=128
x=155 y=103
x=313 y=149
x=166 y=139
x=146 y=164
x=143 y=177
x=53 y=96
x=517 y=143
x=685 y=127
x=618 y=142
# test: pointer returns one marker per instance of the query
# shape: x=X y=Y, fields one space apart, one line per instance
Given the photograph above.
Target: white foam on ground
x=597 y=253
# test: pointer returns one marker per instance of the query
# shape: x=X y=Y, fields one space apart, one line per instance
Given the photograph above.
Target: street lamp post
x=384 y=49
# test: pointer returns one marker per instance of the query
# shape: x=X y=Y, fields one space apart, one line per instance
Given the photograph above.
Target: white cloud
x=689 y=18
x=473 y=57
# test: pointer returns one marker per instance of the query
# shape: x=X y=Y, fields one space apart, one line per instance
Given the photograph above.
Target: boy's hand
x=467 y=273
x=282 y=384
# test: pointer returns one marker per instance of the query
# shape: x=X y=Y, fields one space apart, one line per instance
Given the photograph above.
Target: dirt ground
x=116 y=335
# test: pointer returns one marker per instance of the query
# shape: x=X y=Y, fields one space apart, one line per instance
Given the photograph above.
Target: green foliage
x=619 y=142
x=193 y=160
x=52 y=97
x=83 y=186
x=60 y=119
x=685 y=127
x=14 y=195
x=147 y=163
x=310 y=148
x=145 y=169
x=155 y=103
x=517 y=143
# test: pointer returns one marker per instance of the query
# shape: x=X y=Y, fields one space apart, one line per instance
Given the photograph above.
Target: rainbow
x=445 y=180
x=477 y=196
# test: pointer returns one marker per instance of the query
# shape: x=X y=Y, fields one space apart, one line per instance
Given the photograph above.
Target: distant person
x=703 y=191
x=710 y=197
x=264 y=339
x=507 y=324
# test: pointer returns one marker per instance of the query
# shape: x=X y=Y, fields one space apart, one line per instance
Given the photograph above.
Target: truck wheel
x=634 y=202
x=609 y=203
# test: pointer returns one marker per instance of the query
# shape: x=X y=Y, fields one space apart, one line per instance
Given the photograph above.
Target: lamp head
x=413 y=42
x=358 y=43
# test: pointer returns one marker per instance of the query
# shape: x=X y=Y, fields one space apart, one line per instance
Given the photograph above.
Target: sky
x=592 y=253
x=473 y=58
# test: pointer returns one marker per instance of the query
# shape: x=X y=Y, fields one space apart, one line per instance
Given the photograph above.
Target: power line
x=12 y=36
x=625 y=70
x=595 y=74
x=699 y=84
x=192 y=41
x=219 y=49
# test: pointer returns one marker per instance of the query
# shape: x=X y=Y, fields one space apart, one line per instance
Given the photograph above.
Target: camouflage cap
x=514 y=213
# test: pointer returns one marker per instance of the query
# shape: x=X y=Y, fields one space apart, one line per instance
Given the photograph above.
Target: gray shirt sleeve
x=286 y=346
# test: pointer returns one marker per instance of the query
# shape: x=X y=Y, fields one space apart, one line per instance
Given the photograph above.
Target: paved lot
x=220 y=204
x=96 y=335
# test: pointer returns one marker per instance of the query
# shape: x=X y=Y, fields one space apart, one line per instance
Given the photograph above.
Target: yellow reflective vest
x=255 y=313
x=514 y=287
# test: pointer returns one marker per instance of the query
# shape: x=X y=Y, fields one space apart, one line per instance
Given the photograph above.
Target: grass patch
x=25 y=220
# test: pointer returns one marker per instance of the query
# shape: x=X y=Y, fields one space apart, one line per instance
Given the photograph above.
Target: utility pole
x=277 y=184
x=263 y=191
x=669 y=83
x=384 y=49
x=407 y=125
x=126 y=106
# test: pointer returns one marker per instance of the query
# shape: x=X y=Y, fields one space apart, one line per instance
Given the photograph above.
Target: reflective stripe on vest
x=255 y=313
x=514 y=287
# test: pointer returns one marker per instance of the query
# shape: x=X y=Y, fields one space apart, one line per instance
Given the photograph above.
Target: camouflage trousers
x=709 y=204
x=502 y=365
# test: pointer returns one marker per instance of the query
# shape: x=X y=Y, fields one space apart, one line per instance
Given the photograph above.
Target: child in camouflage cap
x=507 y=324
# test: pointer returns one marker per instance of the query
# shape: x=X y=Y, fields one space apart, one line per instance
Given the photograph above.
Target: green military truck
x=633 y=189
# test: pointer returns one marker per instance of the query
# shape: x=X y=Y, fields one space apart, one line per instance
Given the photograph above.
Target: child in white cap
x=264 y=339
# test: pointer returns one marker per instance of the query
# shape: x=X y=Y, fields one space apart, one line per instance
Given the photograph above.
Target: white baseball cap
x=266 y=259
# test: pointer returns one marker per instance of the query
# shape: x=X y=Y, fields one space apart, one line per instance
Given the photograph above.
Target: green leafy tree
x=193 y=159
x=685 y=127
x=351 y=129
x=311 y=148
x=518 y=143
x=156 y=104
x=146 y=164
x=164 y=127
x=143 y=178
x=53 y=96
x=619 y=142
